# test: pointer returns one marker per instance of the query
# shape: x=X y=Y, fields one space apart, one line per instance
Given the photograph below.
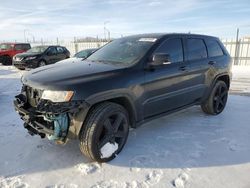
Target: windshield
x=37 y=49
x=5 y=46
x=123 y=51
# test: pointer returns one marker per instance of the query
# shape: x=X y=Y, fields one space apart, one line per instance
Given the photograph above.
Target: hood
x=69 y=72
x=27 y=54
x=69 y=60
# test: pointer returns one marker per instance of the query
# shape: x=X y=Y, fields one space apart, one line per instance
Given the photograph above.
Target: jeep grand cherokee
x=127 y=82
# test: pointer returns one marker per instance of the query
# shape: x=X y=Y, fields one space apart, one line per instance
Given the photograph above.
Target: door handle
x=211 y=62
x=183 y=68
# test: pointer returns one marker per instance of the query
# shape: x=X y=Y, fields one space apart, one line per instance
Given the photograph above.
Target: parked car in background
x=8 y=50
x=85 y=53
x=40 y=56
x=127 y=82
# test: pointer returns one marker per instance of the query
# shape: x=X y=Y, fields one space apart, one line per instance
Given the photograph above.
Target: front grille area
x=33 y=95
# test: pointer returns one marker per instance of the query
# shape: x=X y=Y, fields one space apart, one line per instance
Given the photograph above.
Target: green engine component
x=61 y=125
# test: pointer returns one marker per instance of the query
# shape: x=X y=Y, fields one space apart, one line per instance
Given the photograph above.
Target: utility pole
x=109 y=35
x=104 y=29
x=24 y=34
x=236 y=48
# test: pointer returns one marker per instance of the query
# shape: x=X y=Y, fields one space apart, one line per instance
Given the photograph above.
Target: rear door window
x=172 y=47
x=213 y=48
x=196 y=49
x=52 y=50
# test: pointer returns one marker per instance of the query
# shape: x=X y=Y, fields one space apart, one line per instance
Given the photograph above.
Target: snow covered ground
x=185 y=149
x=241 y=80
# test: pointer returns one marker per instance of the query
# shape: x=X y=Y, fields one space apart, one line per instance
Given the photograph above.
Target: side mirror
x=160 y=59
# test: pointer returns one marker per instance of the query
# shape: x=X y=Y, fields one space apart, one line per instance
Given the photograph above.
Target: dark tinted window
x=196 y=49
x=213 y=48
x=18 y=47
x=59 y=49
x=26 y=46
x=65 y=49
x=52 y=50
x=172 y=47
x=22 y=47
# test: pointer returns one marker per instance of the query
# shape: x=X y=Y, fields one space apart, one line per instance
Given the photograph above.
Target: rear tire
x=7 y=60
x=107 y=123
x=217 y=100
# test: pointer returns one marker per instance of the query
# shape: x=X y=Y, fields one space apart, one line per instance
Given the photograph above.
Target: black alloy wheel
x=107 y=125
x=217 y=99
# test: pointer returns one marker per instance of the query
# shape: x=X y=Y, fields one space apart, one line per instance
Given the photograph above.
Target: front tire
x=106 y=128
x=217 y=100
x=41 y=63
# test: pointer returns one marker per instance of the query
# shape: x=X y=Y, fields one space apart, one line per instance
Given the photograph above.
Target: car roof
x=161 y=35
x=13 y=43
x=47 y=46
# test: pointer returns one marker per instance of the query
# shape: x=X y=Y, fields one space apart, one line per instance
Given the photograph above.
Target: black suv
x=40 y=56
x=125 y=83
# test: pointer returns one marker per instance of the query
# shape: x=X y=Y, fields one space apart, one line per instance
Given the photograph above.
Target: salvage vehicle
x=8 y=50
x=40 y=56
x=85 y=53
x=127 y=82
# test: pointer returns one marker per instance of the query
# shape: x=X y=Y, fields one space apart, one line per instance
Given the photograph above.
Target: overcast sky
x=68 y=18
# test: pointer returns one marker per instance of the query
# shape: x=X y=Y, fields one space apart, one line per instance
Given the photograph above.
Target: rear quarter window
x=196 y=49
x=65 y=49
x=214 y=49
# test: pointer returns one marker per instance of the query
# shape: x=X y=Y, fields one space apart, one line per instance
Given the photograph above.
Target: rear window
x=213 y=48
x=196 y=49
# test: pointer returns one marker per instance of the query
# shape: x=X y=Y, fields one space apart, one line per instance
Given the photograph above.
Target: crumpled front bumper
x=34 y=117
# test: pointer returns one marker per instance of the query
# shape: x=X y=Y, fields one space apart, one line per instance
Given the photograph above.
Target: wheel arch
x=225 y=77
x=43 y=59
x=122 y=99
x=127 y=104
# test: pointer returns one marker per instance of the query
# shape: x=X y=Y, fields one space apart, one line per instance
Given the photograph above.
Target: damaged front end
x=56 y=120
